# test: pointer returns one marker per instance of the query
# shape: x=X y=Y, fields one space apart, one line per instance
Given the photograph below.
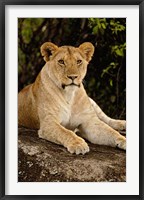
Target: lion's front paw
x=121 y=143
x=78 y=146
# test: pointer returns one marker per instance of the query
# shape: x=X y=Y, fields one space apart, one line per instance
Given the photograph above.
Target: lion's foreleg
x=98 y=132
x=56 y=133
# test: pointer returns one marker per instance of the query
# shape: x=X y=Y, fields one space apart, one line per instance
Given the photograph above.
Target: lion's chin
x=70 y=85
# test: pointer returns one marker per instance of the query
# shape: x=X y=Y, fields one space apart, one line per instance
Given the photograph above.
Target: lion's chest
x=67 y=117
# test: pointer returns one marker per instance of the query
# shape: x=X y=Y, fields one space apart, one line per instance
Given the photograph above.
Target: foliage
x=106 y=78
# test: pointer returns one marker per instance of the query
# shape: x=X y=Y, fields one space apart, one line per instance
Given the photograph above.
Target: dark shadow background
x=105 y=81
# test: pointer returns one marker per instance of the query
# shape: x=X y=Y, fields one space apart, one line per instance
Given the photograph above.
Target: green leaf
x=95 y=30
x=119 y=52
x=111 y=82
x=103 y=25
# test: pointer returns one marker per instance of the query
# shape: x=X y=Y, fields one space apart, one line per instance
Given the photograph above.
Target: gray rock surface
x=42 y=161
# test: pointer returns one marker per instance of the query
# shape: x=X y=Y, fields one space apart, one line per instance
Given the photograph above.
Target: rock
x=42 y=161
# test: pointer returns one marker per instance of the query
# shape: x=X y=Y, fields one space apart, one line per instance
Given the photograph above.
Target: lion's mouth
x=72 y=84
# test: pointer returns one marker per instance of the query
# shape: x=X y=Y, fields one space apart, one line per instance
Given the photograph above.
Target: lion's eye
x=79 y=62
x=61 y=62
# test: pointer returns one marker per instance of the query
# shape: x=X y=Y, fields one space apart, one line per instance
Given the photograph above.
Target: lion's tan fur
x=56 y=107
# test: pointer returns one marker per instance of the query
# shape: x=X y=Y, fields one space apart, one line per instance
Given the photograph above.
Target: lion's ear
x=88 y=49
x=47 y=49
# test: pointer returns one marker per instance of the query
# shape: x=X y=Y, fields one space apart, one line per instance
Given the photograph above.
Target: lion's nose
x=72 y=77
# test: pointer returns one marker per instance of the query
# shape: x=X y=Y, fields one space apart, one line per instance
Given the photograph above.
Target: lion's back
x=27 y=110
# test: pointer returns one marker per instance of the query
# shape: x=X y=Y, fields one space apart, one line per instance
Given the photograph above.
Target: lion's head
x=67 y=65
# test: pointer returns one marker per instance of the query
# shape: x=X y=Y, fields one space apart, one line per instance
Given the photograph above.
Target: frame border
x=71 y=2
x=141 y=99
x=3 y=3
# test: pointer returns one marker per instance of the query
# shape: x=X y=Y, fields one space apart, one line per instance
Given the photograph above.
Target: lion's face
x=67 y=65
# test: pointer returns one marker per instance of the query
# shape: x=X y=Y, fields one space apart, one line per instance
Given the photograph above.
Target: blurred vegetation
x=105 y=81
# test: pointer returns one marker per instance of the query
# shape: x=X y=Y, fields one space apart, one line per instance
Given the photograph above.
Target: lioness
x=57 y=103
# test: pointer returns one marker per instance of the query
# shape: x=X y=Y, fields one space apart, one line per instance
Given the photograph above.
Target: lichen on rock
x=42 y=161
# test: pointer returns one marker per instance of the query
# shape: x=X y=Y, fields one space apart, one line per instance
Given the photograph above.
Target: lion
x=57 y=104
